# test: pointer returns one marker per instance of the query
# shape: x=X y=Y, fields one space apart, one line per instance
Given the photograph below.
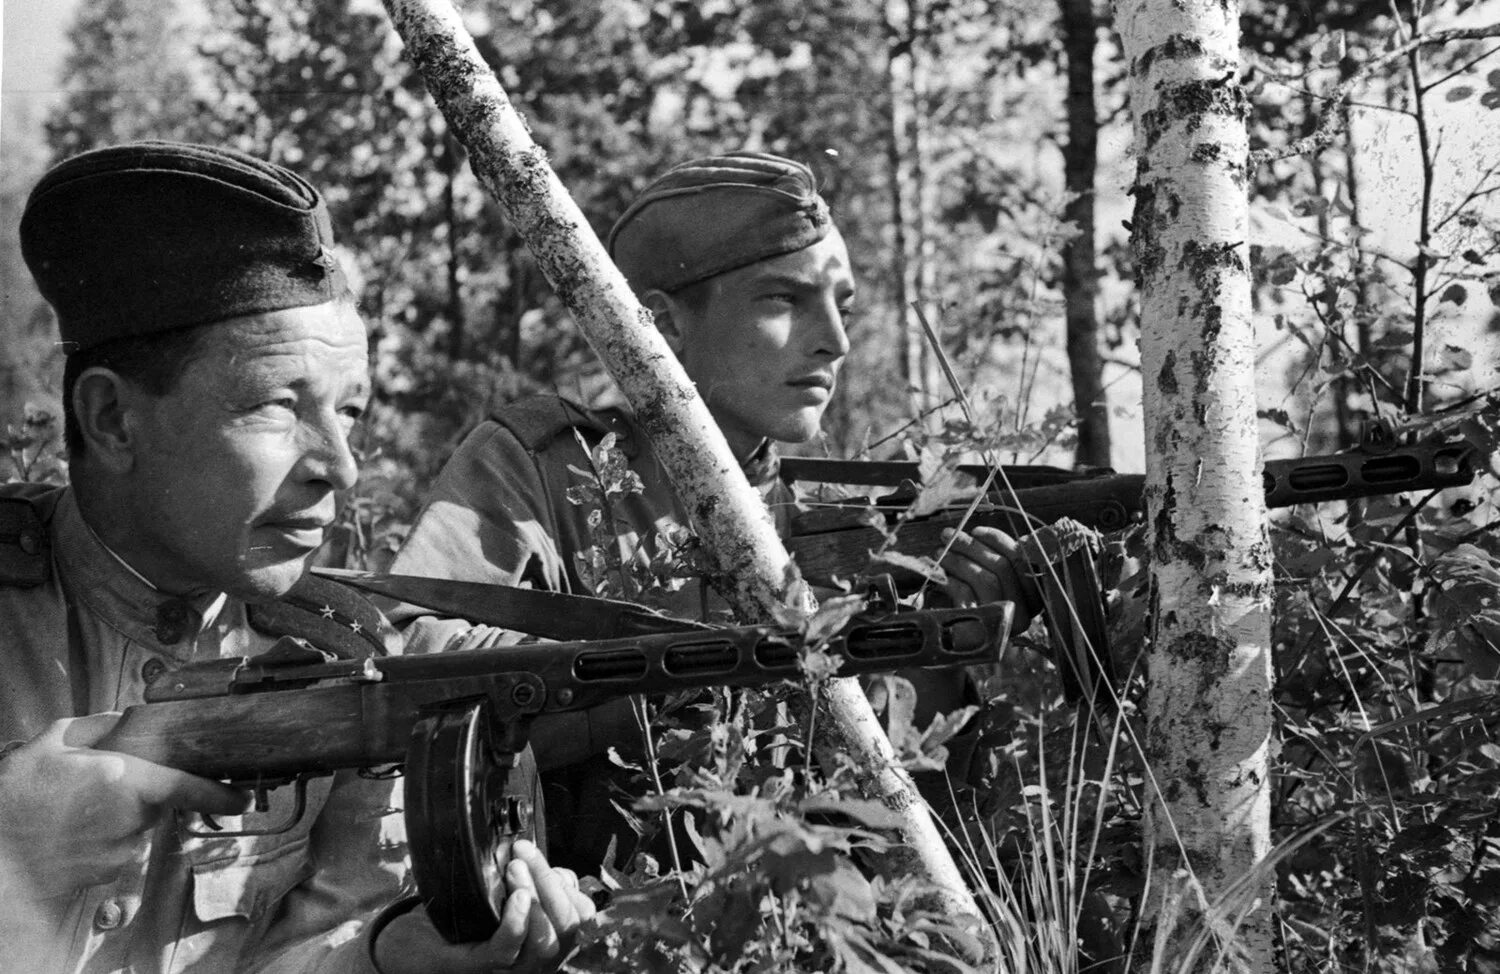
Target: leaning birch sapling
x=735 y=527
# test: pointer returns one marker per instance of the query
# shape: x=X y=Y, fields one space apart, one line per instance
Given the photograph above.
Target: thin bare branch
x=1476 y=193
x=1330 y=121
x=1438 y=82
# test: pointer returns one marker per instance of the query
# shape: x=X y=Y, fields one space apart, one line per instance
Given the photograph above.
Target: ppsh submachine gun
x=1062 y=510
x=458 y=720
x=836 y=540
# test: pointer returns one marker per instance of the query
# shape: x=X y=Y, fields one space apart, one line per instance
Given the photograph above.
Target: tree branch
x=1330 y=121
x=755 y=572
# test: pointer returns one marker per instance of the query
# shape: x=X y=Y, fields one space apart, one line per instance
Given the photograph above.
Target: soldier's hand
x=538 y=926
x=72 y=816
x=987 y=565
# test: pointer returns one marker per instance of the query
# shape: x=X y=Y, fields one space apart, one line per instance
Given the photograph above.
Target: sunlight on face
x=235 y=472
x=766 y=347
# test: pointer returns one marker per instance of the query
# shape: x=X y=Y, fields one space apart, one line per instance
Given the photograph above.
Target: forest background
x=946 y=135
x=977 y=156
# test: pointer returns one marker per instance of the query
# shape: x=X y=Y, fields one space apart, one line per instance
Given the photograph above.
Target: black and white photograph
x=749 y=486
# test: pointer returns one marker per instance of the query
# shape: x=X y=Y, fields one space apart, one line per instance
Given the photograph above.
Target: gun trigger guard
x=216 y=831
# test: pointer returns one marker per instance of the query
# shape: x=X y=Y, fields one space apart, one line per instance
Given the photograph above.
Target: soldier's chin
x=800 y=428
x=270 y=582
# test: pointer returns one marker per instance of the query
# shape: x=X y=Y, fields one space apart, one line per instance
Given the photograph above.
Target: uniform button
x=152 y=669
x=108 y=916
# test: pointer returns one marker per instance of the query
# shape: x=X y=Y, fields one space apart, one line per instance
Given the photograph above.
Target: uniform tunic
x=499 y=513
x=88 y=638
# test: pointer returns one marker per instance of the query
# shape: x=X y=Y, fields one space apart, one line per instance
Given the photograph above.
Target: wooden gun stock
x=458 y=721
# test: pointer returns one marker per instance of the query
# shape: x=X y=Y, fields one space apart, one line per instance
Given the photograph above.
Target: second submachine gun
x=836 y=540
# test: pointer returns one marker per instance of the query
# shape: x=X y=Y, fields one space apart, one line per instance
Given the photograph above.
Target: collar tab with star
x=333 y=617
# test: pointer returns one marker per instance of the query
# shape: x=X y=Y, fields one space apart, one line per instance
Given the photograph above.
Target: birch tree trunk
x=754 y=571
x=1208 y=708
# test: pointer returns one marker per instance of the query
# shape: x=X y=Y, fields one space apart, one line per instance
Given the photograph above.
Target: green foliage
x=130 y=75
x=1387 y=679
x=35 y=449
x=1387 y=779
x=769 y=880
x=650 y=570
x=776 y=888
x=767 y=874
x=1384 y=659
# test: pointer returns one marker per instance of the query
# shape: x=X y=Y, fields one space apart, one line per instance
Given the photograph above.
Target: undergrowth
x=1384 y=811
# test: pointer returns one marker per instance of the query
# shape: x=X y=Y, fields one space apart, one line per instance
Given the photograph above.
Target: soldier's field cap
x=149 y=237
x=717 y=214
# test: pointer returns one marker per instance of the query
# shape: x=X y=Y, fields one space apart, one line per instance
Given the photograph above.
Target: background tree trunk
x=752 y=567
x=1080 y=278
x=447 y=148
x=910 y=194
x=1208 y=707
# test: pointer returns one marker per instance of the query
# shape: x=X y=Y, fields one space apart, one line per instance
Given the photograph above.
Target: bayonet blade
x=550 y=615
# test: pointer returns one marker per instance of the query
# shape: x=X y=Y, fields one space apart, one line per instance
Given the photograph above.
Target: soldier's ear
x=102 y=404
x=668 y=321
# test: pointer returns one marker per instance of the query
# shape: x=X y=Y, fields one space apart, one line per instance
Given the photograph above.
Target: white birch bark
x=754 y=568
x=1208 y=708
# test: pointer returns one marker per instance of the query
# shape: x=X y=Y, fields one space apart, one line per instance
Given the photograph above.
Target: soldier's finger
x=988 y=566
x=81 y=731
x=986 y=584
x=517 y=871
x=170 y=788
x=1001 y=543
x=515 y=921
x=583 y=905
x=551 y=887
x=992 y=550
x=974 y=582
x=1015 y=554
x=960 y=593
x=542 y=941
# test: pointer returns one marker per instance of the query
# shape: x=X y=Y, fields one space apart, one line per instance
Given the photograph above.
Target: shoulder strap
x=330 y=615
x=538 y=420
x=25 y=557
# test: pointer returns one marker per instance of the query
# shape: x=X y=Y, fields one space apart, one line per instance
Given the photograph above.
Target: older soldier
x=750 y=282
x=216 y=364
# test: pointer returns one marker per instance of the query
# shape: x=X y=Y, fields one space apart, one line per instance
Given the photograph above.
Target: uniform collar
x=763 y=465
x=98 y=577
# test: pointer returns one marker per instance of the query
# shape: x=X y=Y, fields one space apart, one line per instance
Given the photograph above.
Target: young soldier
x=216 y=363
x=750 y=282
